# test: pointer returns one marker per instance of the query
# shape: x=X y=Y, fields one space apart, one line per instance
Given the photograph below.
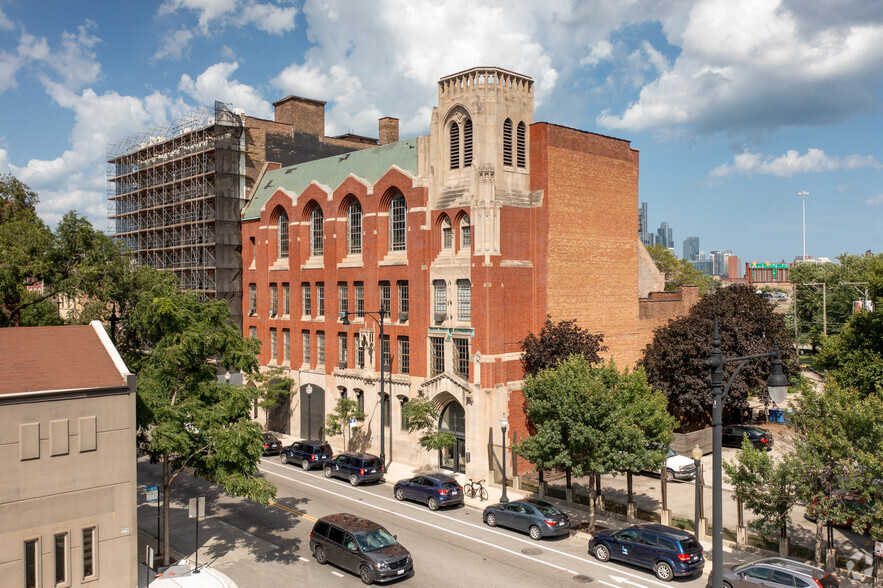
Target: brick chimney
x=389 y=130
x=303 y=114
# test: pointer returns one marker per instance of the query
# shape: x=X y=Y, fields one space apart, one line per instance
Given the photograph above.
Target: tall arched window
x=354 y=227
x=397 y=223
x=522 y=146
x=507 y=142
x=455 y=145
x=282 y=236
x=447 y=234
x=465 y=233
x=317 y=232
x=467 y=143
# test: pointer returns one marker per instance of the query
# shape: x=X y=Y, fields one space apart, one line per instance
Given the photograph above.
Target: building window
x=320 y=299
x=387 y=410
x=282 y=236
x=90 y=548
x=507 y=142
x=522 y=145
x=60 y=553
x=404 y=424
x=354 y=228
x=32 y=564
x=384 y=352
x=320 y=347
x=307 y=299
x=467 y=143
x=305 y=335
x=286 y=299
x=360 y=400
x=397 y=223
x=253 y=332
x=360 y=351
x=385 y=297
x=464 y=300
x=461 y=358
x=447 y=234
x=404 y=355
x=455 y=145
x=274 y=299
x=465 y=233
x=252 y=299
x=441 y=298
x=273 y=343
x=404 y=303
x=286 y=345
x=317 y=233
x=359 y=288
x=254 y=250
x=341 y=351
x=343 y=298
x=436 y=355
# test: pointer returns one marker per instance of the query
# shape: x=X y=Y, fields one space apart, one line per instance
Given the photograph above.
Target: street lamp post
x=803 y=194
x=777 y=384
x=379 y=320
x=309 y=391
x=697 y=461
x=504 y=424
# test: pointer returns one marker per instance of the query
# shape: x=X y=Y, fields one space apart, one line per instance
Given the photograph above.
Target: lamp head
x=309 y=389
x=346 y=320
x=504 y=422
x=696 y=453
x=777 y=383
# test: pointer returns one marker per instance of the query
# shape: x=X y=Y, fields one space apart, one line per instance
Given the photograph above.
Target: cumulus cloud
x=73 y=61
x=207 y=10
x=215 y=84
x=875 y=200
x=174 y=45
x=790 y=164
x=270 y=18
x=600 y=51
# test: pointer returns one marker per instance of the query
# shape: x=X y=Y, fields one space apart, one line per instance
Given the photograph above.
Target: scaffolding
x=174 y=197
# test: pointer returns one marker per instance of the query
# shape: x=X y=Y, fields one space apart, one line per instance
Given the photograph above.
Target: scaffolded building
x=174 y=198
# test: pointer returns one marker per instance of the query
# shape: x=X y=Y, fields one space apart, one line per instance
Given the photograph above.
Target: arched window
x=465 y=233
x=447 y=234
x=317 y=233
x=455 y=145
x=282 y=236
x=507 y=142
x=521 y=142
x=467 y=143
x=354 y=227
x=397 y=223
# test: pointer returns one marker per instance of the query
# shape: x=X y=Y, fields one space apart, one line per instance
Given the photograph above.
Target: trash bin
x=777 y=415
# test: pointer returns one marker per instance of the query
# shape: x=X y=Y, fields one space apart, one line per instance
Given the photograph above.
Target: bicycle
x=470 y=490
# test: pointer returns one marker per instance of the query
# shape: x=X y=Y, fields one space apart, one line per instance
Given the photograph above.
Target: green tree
x=337 y=422
x=680 y=272
x=422 y=416
x=557 y=342
x=274 y=387
x=674 y=360
x=854 y=357
x=186 y=419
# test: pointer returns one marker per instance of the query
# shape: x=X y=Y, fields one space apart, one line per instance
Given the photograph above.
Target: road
x=269 y=546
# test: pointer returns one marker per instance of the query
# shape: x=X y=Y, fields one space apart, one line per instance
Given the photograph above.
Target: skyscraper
x=664 y=235
x=691 y=248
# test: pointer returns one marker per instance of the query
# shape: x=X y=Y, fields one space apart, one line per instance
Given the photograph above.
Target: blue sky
x=735 y=107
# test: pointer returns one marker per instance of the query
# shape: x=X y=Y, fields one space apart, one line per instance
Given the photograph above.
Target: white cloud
x=601 y=50
x=270 y=18
x=790 y=164
x=73 y=61
x=208 y=10
x=175 y=45
x=5 y=23
x=875 y=200
x=215 y=84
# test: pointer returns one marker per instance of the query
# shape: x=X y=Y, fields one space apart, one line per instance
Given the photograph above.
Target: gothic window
x=455 y=145
x=397 y=223
x=317 y=233
x=465 y=233
x=507 y=142
x=447 y=234
x=521 y=144
x=282 y=236
x=354 y=228
x=467 y=143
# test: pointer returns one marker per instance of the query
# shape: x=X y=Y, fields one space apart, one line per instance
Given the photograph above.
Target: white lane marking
x=338 y=574
x=303 y=559
x=607 y=583
x=622 y=580
x=483 y=528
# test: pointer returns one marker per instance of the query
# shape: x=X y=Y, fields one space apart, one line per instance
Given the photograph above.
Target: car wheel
x=669 y=475
x=432 y=503
x=727 y=585
x=354 y=480
x=283 y=458
x=602 y=553
x=400 y=494
x=305 y=464
x=491 y=520
x=366 y=575
x=663 y=571
x=320 y=556
x=327 y=472
x=535 y=533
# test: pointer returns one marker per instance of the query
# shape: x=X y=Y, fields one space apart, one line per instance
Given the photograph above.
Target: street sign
x=352 y=423
x=152 y=493
x=148 y=557
x=878 y=548
x=197 y=508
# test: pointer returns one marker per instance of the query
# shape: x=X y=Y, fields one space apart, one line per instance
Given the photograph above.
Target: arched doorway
x=312 y=412
x=453 y=421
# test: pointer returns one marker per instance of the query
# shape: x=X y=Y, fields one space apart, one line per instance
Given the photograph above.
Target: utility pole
x=860 y=291
x=803 y=194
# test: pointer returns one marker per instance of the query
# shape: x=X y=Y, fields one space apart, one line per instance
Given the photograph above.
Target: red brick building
x=467 y=239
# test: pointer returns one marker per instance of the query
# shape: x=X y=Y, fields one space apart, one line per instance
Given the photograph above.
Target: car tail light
x=311 y=534
x=381 y=469
x=684 y=556
x=313 y=457
x=265 y=445
x=550 y=522
x=764 y=440
x=362 y=471
x=443 y=492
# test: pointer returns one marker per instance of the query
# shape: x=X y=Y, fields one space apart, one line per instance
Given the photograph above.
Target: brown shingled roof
x=71 y=357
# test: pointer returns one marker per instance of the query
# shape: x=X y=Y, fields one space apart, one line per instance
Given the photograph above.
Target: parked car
x=668 y=551
x=355 y=467
x=733 y=435
x=538 y=518
x=307 y=454
x=846 y=504
x=359 y=546
x=272 y=445
x=435 y=490
x=777 y=571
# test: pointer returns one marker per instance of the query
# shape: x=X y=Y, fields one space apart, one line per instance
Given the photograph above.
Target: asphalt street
x=269 y=546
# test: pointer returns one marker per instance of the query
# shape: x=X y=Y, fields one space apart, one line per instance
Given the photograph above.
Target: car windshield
x=671 y=452
x=375 y=540
x=547 y=510
x=756 y=430
x=269 y=437
x=372 y=463
x=450 y=485
x=322 y=449
x=690 y=545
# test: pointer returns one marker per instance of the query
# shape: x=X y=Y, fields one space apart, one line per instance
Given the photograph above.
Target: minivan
x=307 y=454
x=668 y=551
x=359 y=546
x=355 y=467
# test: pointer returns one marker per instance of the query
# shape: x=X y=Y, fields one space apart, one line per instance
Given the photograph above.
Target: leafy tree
x=557 y=342
x=592 y=421
x=337 y=422
x=674 y=360
x=854 y=357
x=274 y=387
x=680 y=272
x=185 y=417
x=422 y=416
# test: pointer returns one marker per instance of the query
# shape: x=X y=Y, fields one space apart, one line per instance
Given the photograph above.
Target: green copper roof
x=368 y=164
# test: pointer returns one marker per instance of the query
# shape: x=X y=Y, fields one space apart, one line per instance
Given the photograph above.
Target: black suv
x=307 y=454
x=358 y=545
x=355 y=467
x=668 y=551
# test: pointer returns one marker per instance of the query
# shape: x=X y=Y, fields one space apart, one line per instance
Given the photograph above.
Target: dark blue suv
x=307 y=454
x=668 y=551
x=434 y=490
x=355 y=467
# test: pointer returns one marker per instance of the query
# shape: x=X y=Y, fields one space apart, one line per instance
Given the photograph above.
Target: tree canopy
x=854 y=357
x=337 y=422
x=557 y=342
x=422 y=416
x=680 y=272
x=674 y=360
